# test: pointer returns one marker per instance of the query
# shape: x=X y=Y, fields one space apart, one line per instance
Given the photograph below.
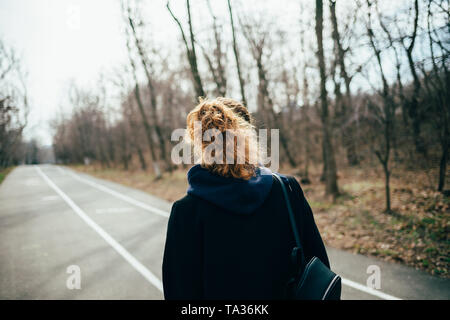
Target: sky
x=60 y=41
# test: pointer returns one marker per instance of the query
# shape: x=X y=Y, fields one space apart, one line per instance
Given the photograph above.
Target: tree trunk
x=331 y=187
x=443 y=167
x=265 y=98
x=220 y=77
x=141 y=158
x=148 y=132
x=137 y=95
x=236 y=56
x=305 y=121
x=135 y=134
x=413 y=106
x=387 y=188
x=348 y=131
x=153 y=102
x=306 y=128
x=192 y=57
x=389 y=112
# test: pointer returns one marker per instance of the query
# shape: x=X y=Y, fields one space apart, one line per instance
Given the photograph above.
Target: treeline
x=348 y=83
x=14 y=108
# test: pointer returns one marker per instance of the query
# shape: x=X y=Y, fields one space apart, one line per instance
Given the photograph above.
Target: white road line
x=368 y=290
x=121 y=196
x=346 y=282
x=147 y=274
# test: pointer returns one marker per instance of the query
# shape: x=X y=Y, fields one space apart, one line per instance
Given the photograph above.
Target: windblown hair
x=227 y=118
x=238 y=108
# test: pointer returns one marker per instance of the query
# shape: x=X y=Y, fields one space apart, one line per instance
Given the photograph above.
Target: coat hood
x=232 y=194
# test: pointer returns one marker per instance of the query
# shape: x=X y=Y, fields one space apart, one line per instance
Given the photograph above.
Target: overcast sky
x=58 y=41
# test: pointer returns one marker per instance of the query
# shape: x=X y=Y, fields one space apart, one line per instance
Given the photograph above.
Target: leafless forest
x=361 y=83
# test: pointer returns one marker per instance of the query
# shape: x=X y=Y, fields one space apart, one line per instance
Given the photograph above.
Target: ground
x=415 y=234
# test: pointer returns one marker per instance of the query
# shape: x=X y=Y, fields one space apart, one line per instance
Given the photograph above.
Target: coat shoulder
x=186 y=201
x=184 y=206
x=294 y=183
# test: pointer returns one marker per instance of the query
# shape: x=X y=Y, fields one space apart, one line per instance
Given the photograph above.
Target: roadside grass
x=416 y=235
x=4 y=172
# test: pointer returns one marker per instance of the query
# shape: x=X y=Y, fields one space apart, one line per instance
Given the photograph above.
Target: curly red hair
x=228 y=118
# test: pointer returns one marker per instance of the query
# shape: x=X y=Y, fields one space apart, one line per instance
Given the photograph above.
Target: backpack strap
x=289 y=208
x=297 y=255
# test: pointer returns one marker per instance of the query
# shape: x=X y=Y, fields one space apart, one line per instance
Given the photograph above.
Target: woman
x=230 y=237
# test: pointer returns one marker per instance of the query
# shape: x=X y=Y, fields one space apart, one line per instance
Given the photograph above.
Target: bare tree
x=236 y=55
x=217 y=63
x=345 y=104
x=145 y=122
x=384 y=115
x=257 y=37
x=134 y=129
x=305 y=109
x=190 y=49
x=14 y=106
x=413 y=105
x=150 y=85
x=123 y=142
x=130 y=114
x=437 y=84
x=331 y=186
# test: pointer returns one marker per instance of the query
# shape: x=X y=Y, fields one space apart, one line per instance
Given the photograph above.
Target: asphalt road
x=52 y=218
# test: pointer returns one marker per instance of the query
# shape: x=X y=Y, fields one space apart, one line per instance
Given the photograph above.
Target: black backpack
x=312 y=280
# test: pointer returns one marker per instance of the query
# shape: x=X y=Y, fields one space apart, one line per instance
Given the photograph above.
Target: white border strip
x=147 y=274
x=346 y=282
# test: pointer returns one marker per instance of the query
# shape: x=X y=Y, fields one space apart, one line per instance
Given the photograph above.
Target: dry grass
x=416 y=234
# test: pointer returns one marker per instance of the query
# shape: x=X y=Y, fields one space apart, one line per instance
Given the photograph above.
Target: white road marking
x=121 y=196
x=147 y=274
x=368 y=290
x=346 y=282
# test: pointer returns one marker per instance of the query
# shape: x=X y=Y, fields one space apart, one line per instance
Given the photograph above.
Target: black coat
x=214 y=254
